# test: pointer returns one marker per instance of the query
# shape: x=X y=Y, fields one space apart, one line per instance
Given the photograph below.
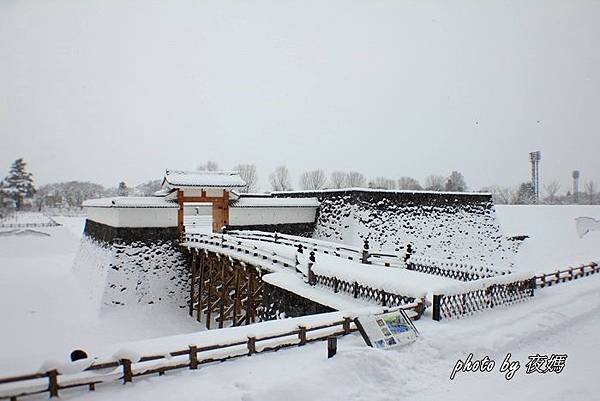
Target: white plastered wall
x=133 y=217
x=248 y=216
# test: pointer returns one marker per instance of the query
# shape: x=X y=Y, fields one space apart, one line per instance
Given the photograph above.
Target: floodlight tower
x=535 y=158
x=576 y=185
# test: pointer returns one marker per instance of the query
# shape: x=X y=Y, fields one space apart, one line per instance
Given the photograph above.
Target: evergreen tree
x=525 y=194
x=123 y=190
x=19 y=183
x=456 y=182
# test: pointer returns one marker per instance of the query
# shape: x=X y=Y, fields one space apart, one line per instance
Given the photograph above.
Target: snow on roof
x=131 y=202
x=276 y=202
x=177 y=178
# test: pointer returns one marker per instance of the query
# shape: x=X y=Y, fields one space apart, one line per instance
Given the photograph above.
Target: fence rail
x=362 y=255
x=447 y=306
x=561 y=276
x=126 y=370
x=372 y=294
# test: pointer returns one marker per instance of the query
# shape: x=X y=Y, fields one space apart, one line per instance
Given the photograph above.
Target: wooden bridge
x=226 y=273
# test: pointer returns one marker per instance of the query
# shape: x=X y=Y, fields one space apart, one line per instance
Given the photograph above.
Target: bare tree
x=383 y=183
x=354 y=179
x=435 y=183
x=338 y=179
x=314 y=179
x=590 y=190
x=409 y=183
x=500 y=195
x=249 y=175
x=551 y=189
x=208 y=166
x=280 y=179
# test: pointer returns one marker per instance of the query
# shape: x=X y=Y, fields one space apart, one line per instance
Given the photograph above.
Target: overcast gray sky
x=112 y=90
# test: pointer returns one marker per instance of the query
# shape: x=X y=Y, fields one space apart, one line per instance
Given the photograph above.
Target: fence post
x=331 y=346
x=355 y=289
x=53 y=383
x=302 y=335
x=193 y=357
x=436 y=307
x=311 y=275
x=346 y=325
x=543 y=281
x=365 y=252
x=127 y=375
x=251 y=345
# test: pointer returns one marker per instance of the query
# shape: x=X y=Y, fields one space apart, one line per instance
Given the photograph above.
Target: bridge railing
x=191 y=357
x=362 y=255
x=244 y=249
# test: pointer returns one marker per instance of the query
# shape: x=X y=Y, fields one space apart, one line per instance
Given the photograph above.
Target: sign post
x=387 y=330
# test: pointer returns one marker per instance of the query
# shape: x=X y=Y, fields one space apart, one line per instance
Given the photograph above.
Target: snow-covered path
x=563 y=319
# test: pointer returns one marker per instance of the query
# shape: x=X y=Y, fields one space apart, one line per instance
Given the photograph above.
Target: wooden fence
x=372 y=294
x=561 y=276
x=446 y=306
x=126 y=370
x=454 y=270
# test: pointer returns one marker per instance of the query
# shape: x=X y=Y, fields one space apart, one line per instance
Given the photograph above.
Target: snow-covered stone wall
x=135 y=272
x=453 y=226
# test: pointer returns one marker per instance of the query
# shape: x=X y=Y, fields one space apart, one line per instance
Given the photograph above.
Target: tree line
x=18 y=191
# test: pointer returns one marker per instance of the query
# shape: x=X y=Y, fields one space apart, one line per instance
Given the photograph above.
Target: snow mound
x=553 y=241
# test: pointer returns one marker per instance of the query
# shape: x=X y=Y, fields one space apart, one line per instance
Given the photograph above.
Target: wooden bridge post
x=200 y=271
x=250 y=301
x=193 y=282
x=236 y=299
x=210 y=284
x=222 y=295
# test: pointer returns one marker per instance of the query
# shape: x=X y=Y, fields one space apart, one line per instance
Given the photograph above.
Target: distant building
x=201 y=201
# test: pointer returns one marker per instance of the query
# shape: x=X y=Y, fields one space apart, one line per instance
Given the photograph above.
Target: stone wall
x=105 y=233
x=130 y=266
x=451 y=226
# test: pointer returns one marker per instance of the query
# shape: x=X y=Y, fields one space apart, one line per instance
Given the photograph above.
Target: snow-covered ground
x=553 y=242
x=561 y=320
x=48 y=312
